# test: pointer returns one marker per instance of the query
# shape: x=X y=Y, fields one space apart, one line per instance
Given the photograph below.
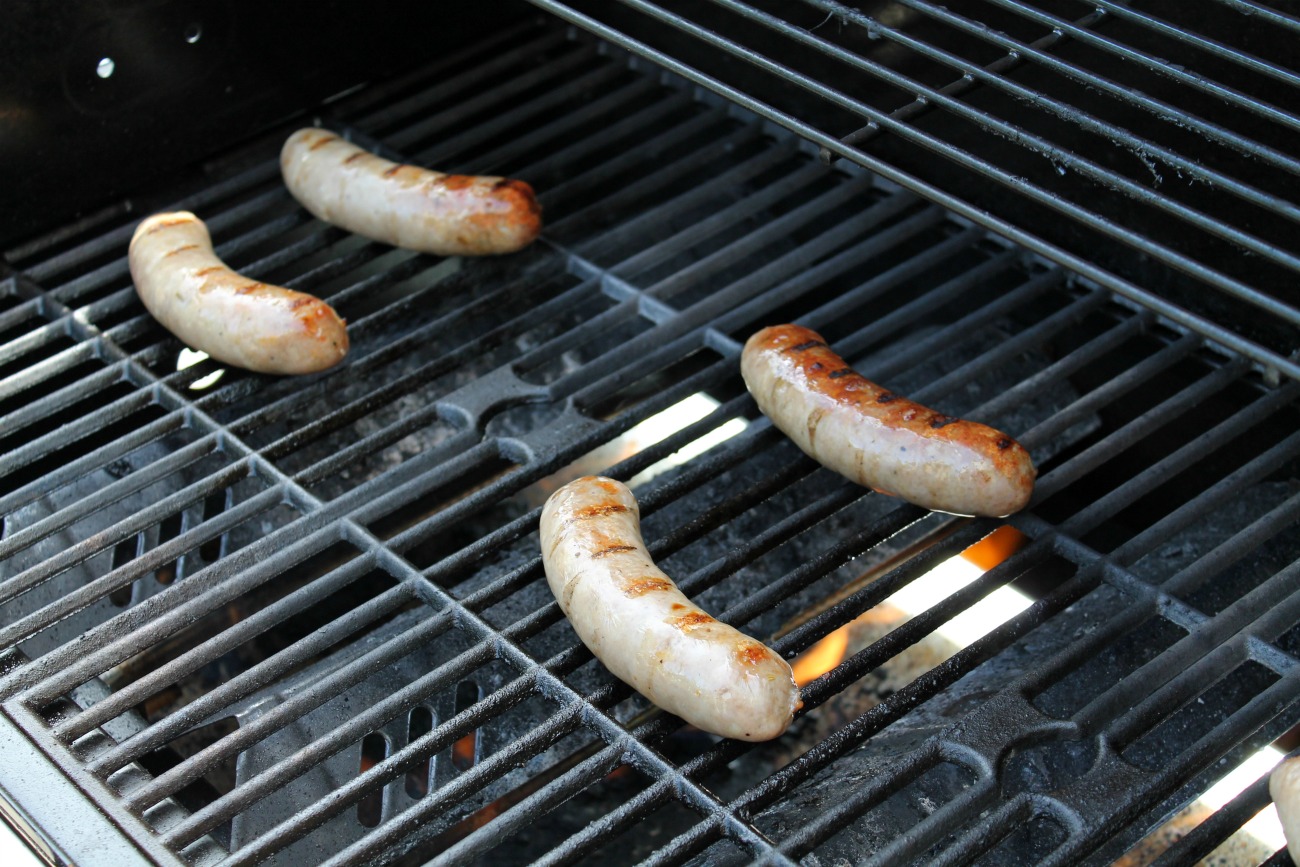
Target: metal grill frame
x=1242 y=632
x=969 y=76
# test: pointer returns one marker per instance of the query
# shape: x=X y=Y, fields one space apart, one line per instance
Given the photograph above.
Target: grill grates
x=1069 y=128
x=169 y=537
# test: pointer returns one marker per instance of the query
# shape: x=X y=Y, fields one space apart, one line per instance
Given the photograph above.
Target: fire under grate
x=304 y=621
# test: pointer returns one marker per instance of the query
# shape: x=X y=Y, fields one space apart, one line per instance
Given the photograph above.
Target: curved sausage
x=635 y=620
x=881 y=439
x=407 y=206
x=1284 y=788
x=268 y=329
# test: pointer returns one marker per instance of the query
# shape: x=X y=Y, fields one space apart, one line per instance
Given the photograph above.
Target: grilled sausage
x=407 y=206
x=268 y=329
x=878 y=438
x=635 y=620
x=1284 y=788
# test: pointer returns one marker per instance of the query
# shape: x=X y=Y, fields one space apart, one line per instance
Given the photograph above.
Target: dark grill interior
x=259 y=620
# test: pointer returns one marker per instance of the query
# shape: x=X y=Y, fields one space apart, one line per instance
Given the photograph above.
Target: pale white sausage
x=878 y=438
x=635 y=620
x=232 y=318
x=407 y=206
x=1284 y=787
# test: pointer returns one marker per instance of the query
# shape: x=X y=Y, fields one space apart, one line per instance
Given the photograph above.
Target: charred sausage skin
x=878 y=438
x=635 y=620
x=407 y=206
x=233 y=318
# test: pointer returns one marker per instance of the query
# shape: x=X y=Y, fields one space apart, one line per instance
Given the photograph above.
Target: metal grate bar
x=310 y=756
x=1115 y=388
x=568 y=124
x=1138 y=716
x=1024 y=238
x=539 y=107
x=1209 y=46
x=653 y=148
x=62 y=398
x=1252 y=104
x=649 y=117
x=1160 y=108
x=74 y=726
x=1136 y=430
x=1011 y=348
x=1110 y=341
x=127 y=527
x=1095 y=221
x=529 y=810
x=539 y=76
x=1200 y=841
x=1241 y=543
x=149 y=561
x=1072 y=114
x=497 y=62
x=118 y=490
x=116 y=239
x=247 y=682
x=1086 y=520
x=1245 y=7
x=1230 y=485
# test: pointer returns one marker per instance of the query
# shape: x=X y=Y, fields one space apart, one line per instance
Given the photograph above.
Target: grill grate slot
x=263 y=619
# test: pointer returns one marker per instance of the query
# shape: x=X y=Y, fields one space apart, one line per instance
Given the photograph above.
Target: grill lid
x=304 y=620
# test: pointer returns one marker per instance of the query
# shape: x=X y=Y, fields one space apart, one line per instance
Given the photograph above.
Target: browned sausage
x=635 y=620
x=231 y=317
x=407 y=206
x=878 y=438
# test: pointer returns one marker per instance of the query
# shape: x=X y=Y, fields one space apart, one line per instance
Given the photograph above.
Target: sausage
x=878 y=438
x=407 y=206
x=1284 y=788
x=268 y=329
x=635 y=620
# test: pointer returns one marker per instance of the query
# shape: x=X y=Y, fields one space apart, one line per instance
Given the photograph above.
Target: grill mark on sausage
x=586 y=513
x=943 y=421
x=1005 y=443
x=842 y=372
x=805 y=346
x=751 y=654
x=887 y=397
x=203 y=272
x=253 y=287
x=691 y=620
x=356 y=156
x=612 y=549
x=322 y=141
x=649 y=584
x=180 y=250
x=394 y=170
x=163 y=224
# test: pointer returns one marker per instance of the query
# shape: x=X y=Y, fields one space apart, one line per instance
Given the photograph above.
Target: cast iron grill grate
x=304 y=620
x=1145 y=145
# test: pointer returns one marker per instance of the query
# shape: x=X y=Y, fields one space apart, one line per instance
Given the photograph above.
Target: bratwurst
x=635 y=620
x=878 y=438
x=235 y=319
x=407 y=206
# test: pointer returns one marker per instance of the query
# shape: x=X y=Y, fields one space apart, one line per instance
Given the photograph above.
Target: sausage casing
x=878 y=438
x=407 y=206
x=635 y=620
x=234 y=319
x=1284 y=788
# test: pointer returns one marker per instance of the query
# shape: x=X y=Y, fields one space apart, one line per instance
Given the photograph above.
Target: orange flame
x=995 y=547
x=821 y=657
x=831 y=650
